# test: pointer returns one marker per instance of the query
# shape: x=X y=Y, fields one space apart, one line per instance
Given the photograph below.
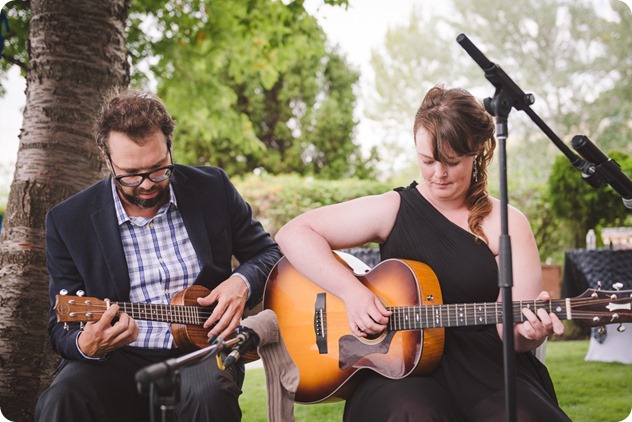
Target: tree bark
x=76 y=53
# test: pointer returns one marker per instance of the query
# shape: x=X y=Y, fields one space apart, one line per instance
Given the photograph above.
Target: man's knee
x=58 y=402
x=208 y=393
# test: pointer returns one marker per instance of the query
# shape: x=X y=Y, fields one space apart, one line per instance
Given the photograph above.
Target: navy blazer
x=84 y=249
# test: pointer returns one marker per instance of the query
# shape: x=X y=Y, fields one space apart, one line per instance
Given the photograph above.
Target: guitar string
x=193 y=313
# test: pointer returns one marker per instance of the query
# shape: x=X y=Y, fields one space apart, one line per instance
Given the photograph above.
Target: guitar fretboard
x=470 y=314
x=178 y=314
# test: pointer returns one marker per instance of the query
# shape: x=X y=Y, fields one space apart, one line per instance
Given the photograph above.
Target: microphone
x=605 y=167
x=474 y=52
x=255 y=331
x=151 y=373
x=248 y=340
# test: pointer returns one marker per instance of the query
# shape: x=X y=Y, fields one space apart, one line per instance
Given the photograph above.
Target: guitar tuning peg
x=621 y=328
x=81 y=325
x=599 y=285
x=80 y=293
x=617 y=286
x=66 y=328
x=63 y=292
x=601 y=330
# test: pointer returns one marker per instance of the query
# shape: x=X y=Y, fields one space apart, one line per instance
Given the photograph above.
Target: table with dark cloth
x=370 y=256
x=584 y=269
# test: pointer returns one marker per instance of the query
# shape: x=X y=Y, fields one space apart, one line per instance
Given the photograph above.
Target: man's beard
x=135 y=199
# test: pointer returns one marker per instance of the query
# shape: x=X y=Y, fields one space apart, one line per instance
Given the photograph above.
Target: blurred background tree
x=580 y=207
x=252 y=85
x=14 y=52
x=575 y=60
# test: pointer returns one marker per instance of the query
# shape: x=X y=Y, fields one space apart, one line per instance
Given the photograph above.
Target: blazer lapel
x=107 y=232
x=191 y=211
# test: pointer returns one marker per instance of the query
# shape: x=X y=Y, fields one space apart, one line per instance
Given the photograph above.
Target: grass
x=587 y=391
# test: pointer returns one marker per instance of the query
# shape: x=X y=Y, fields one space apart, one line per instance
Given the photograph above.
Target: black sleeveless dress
x=469 y=381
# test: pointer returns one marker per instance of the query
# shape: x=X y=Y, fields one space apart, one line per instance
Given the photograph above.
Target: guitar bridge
x=320 y=322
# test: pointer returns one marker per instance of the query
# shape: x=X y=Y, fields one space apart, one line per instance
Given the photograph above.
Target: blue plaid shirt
x=161 y=262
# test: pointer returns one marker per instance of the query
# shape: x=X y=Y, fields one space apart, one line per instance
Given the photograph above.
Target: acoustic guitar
x=184 y=313
x=316 y=332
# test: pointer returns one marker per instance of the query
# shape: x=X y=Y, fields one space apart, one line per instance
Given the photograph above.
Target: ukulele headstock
x=78 y=308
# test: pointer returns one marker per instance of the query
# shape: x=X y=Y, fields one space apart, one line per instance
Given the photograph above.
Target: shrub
x=275 y=200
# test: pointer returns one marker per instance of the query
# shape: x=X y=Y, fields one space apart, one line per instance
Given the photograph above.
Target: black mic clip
x=589 y=173
x=247 y=340
x=602 y=169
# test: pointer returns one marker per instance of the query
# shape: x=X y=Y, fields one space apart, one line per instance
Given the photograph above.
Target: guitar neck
x=175 y=314
x=469 y=314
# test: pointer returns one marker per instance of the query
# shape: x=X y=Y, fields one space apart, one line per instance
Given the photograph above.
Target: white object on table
x=616 y=347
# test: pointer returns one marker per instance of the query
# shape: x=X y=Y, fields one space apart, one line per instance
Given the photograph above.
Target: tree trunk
x=76 y=53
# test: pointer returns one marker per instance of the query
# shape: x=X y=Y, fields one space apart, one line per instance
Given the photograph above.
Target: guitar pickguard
x=352 y=350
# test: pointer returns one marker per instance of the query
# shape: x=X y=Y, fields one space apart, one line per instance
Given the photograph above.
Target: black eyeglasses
x=133 y=180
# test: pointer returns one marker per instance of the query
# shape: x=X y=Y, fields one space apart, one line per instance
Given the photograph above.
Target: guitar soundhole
x=374 y=336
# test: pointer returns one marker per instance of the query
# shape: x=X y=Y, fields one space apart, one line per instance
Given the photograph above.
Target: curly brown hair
x=458 y=124
x=136 y=114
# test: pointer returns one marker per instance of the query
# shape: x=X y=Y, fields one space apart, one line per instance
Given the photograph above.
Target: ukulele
x=184 y=314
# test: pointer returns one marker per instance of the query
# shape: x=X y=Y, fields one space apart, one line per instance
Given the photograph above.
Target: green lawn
x=587 y=391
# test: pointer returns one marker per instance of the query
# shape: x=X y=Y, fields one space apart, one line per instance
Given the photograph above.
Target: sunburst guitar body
x=331 y=360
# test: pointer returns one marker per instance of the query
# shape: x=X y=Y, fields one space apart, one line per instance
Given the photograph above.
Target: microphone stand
x=507 y=95
x=161 y=381
x=596 y=170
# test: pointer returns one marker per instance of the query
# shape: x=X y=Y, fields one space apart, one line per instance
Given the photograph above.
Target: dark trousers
x=91 y=391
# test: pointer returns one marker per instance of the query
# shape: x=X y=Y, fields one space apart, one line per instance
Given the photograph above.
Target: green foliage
x=277 y=199
x=329 y=126
x=251 y=85
x=579 y=206
x=18 y=14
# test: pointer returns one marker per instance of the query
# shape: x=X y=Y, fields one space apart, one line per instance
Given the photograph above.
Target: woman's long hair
x=458 y=126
